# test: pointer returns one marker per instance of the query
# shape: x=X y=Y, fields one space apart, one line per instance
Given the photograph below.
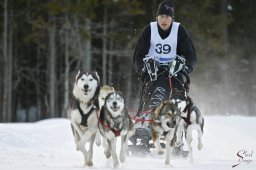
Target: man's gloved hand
x=177 y=65
x=187 y=69
x=151 y=67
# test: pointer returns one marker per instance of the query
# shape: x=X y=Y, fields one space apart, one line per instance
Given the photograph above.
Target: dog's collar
x=110 y=126
x=116 y=131
x=114 y=127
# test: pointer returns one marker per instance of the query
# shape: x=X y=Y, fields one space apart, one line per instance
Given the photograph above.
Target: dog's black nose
x=86 y=86
x=114 y=103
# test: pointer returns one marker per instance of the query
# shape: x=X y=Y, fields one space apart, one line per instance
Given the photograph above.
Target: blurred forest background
x=44 y=43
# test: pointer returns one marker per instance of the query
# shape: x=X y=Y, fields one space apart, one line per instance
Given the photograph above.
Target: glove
x=151 y=67
x=177 y=65
x=187 y=69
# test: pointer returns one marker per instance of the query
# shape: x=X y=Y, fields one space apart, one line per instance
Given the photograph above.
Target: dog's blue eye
x=90 y=79
x=119 y=99
x=82 y=79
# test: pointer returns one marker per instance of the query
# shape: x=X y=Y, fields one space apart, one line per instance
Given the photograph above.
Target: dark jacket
x=185 y=47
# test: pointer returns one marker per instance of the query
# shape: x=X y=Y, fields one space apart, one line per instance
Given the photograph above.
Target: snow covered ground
x=49 y=145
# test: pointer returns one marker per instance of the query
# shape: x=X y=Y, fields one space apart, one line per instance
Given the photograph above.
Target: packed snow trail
x=49 y=145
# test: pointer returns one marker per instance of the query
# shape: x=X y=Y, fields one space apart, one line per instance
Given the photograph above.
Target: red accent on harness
x=142 y=120
x=116 y=131
x=144 y=112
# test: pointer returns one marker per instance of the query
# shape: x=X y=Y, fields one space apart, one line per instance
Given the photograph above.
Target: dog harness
x=113 y=127
x=84 y=115
x=188 y=109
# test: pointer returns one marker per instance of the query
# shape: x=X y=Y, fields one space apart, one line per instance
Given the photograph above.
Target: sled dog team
x=97 y=111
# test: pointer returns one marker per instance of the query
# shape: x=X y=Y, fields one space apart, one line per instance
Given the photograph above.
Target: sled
x=141 y=142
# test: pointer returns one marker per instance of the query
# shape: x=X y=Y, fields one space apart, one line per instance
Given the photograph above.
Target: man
x=163 y=40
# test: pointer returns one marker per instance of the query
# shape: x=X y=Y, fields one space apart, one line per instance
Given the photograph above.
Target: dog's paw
x=123 y=132
x=200 y=146
x=191 y=160
x=167 y=163
x=98 y=141
x=177 y=144
x=88 y=163
x=122 y=158
x=107 y=153
x=189 y=140
x=168 y=166
x=116 y=164
x=161 y=152
x=127 y=152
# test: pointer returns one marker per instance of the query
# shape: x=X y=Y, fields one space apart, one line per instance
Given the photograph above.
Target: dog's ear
x=106 y=98
x=97 y=75
x=121 y=94
x=158 y=109
x=95 y=98
x=101 y=117
x=78 y=73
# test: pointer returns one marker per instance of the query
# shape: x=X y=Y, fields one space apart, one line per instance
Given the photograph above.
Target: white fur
x=104 y=91
x=169 y=148
x=115 y=98
x=83 y=134
x=181 y=104
x=109 y=135
x=159 y=127
x=188 y=128
x=78 y=90
x=157 y=142
x=189 y=138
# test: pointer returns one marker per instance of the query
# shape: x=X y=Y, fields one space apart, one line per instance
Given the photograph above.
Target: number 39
x=166 y=48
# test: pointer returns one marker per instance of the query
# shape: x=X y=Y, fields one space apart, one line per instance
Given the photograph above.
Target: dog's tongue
x=115 y=108
x=86 y=91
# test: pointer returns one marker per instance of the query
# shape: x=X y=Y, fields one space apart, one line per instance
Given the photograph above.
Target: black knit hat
x=166 y=8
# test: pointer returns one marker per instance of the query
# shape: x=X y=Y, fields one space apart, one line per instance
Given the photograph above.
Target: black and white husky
x=104 y=91
x=115 y=121
x=83 y=112
x=191 y=119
